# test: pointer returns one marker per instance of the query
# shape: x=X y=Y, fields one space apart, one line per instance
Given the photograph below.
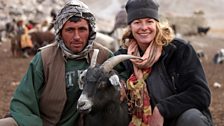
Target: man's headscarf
x=79 y=9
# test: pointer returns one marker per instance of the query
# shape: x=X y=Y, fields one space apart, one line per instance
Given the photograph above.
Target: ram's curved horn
x=113 y=61
x=94 y=58
x=80 y=80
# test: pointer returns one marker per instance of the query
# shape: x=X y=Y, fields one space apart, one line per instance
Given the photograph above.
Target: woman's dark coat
x=177 y=81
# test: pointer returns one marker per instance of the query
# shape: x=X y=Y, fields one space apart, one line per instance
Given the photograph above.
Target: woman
x=168 y=87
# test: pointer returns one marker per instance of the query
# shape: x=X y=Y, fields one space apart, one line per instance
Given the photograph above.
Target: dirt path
x=12 y=70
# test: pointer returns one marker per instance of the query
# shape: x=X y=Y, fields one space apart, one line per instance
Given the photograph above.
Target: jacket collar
x=168 y=51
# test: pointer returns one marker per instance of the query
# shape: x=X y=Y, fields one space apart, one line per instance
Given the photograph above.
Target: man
x=48 y=93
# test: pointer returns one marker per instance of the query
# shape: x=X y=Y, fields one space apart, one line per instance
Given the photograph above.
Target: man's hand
x=156 y=118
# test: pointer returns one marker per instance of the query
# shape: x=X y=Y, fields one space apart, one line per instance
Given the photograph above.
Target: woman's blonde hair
x=164 y=34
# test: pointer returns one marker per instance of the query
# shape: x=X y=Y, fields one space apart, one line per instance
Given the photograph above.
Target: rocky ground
x=12 y=70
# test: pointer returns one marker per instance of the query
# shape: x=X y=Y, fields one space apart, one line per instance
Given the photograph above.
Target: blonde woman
x=168 y=87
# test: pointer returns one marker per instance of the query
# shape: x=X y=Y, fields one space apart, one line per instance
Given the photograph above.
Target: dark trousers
x=191 y=117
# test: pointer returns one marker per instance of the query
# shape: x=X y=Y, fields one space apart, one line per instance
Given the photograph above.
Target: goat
x=219 y=57
x=40 y=39
x=119 y=28
x=203 y=30
x=100 y=99
x=107 y=41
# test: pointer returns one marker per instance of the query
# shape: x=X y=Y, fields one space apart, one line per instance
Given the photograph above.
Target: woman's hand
x=156 y=118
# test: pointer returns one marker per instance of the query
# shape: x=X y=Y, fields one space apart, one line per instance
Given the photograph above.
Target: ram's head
x=100 y=84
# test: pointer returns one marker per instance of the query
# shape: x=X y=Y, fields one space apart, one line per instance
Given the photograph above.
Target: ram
x=203 y=30
x=100 y=102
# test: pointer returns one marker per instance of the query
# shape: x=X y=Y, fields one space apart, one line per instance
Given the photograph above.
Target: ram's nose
x=80 y=104
x=84 y=104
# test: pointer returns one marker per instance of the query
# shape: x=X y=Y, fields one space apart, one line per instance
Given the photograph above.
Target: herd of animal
x=218 y=57
x=42 y=38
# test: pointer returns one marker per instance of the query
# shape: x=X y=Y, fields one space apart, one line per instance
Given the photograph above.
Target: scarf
x=139 y=102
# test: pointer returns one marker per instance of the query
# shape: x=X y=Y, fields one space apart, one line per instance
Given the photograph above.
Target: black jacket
x=177 y=81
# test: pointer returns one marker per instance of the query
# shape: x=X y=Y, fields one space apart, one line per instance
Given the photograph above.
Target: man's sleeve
x=24 y=106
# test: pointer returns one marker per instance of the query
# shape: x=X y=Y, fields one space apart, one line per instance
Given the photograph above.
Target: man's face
x=75 y=35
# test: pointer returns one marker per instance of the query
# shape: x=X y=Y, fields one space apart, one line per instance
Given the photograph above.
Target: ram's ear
x=82 y=74
x=114 y=80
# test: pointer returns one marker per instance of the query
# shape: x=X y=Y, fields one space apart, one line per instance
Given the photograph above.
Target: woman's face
x=144 y=31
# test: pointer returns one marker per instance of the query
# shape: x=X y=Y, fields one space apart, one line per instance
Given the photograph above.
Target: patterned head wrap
x=79 y=9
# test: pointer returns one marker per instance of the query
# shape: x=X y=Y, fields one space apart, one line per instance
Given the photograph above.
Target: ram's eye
x=102 y=85
x=82 y=78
